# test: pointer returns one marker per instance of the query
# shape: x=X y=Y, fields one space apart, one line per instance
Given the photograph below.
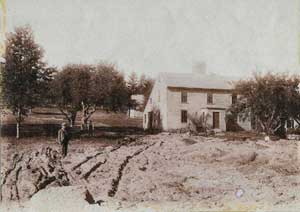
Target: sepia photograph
x=149 y=105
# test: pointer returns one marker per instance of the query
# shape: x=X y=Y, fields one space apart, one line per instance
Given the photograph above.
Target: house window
x=234 y=98
x=183 y=116
x=150 y=100
x=209 y=98
x=183 y=97
x=145 y=118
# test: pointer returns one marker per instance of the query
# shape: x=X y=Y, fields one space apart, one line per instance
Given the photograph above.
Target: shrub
x=231 y=123
x=199 y=123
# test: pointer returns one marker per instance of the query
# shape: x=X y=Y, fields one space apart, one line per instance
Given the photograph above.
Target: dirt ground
x=177 y=171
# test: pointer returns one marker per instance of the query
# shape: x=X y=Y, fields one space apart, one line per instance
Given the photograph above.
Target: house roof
x=196 y=80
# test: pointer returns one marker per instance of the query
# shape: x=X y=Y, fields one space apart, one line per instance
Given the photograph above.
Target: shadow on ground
x=50 y=130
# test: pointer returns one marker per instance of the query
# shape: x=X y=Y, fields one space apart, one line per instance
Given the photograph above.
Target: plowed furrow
x=88 y=158
x=16 y=182
x=9 y=171
x=94 y=168
x=116 y=181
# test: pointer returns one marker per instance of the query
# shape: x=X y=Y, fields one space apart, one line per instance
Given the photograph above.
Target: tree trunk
x=18 y=130
x=73 y=118
x=83 y=122
x=18 y=124
x=82 y=127
x=87 y=112
x=68 y=116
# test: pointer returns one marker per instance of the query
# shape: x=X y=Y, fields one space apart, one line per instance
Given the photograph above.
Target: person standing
x=63 y=139
x=90 y=127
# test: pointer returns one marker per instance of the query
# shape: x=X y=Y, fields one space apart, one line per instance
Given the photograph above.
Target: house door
x=216 y=120
x=150 y=120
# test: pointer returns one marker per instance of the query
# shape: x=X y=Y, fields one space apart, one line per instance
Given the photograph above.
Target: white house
x=175 y=95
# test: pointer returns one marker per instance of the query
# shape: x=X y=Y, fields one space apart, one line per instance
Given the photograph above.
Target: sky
x=232 y=37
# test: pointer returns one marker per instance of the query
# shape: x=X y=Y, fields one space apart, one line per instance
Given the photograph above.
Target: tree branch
x=64 y=113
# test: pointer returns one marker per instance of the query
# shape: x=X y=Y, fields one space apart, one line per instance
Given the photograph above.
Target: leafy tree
x=111 y=87
x=72 y=91
x=45 y=89
x=294 y=100
x=145 y=88
x=119 y=97
x=133 y=84
x=86 y=87
x=142 y=83
x=24 y=76
x=103 y=80
x=267 y=98
x=133 y=88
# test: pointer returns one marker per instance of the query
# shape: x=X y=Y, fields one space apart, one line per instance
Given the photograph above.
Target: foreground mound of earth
x=156 y=171
x=78 y=198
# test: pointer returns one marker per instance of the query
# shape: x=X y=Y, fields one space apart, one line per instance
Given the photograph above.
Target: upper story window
x=210 y=98
x=184 y=97
x=234 y=98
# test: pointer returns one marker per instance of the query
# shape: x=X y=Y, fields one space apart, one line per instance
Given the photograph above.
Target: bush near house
x=199 y=123
x=231 y=123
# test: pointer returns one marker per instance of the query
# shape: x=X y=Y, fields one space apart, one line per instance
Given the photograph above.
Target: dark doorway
x=216 y=120
x=150 y=120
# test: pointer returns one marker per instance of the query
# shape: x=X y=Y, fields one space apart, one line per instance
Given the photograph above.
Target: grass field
x=47 y=121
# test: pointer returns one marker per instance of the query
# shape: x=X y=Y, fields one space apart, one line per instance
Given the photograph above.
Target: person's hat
x=63 y=124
